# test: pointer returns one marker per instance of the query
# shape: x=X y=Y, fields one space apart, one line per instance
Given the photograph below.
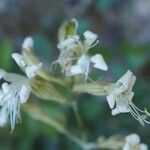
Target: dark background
x=123 y=27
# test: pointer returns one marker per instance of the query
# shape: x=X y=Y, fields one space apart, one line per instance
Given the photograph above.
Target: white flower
x=84 y=63
x=16 y=88
x=132 y=142
x=27 y=43
x=73 y=49
x=30 y=70
x=120 y=99
x=90 y=38
x=14 y=92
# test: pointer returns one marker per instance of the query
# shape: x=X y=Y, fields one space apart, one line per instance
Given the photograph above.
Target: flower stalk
x=36 y=113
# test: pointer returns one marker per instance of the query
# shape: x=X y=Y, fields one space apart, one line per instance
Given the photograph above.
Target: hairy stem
x=36 y=113
x=77 y=115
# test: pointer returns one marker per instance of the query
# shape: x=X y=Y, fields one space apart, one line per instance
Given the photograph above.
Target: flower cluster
x=74 y=58
x=30 y=68
x=15 y=89
x=120 y=99
x=118 y=142
x=132 y=142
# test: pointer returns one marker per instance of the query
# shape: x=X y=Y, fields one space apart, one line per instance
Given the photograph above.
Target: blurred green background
x=123 y=27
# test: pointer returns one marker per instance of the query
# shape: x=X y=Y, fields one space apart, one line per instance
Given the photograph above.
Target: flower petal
x=99 y=62
x=5 y=87
x=115 y=111
x=133 y=139
x=126 y=79
x=24 y=93
x=19 y=59
x=120 y=109
x=74 y=70
x=3 y=116
x=132 y=82
x=28 y=43
x=82 y=66
x=69 y=41
x=111 y=99
x=126 y=146
x=84 y=63
x=31 y=71
x=143 y=146
x=13 y=77
x=90 y=37
x=130 y=96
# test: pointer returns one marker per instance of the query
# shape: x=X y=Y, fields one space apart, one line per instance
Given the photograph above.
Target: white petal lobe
x=111 y=100
x=133 y=139
x=3 y=116
x=19 y=59
x=90 y=37
x=24 y=93
x=76 y=69
x=99 y=62
x=68 y=42
x=28 y=43
x=31 y=71
x=126 y=78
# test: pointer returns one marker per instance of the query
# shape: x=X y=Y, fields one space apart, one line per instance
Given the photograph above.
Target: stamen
x=136 y=117
x=140 y=119
x=146 y=115
x=147 y=121
x=137 y=108
x=94 y=44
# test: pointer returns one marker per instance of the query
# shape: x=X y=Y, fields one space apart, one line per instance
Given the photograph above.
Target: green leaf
x=67 y=28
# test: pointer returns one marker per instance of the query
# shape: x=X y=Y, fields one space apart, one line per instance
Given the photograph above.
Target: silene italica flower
x=120 y=99
x=132 y=142
x=74 y=58
x=15 y=89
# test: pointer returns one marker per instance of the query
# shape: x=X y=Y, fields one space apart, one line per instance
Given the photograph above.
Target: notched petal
x=99 y=62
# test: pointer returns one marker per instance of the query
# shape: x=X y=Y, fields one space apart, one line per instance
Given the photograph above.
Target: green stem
x=77 y=115
x=35 y=112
